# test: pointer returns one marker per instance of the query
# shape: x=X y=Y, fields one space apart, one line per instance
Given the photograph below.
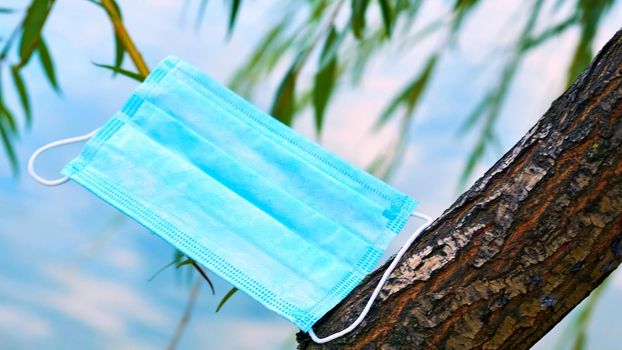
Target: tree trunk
x=516 y=252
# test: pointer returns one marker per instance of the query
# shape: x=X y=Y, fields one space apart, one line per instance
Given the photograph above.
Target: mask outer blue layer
x=275 y=214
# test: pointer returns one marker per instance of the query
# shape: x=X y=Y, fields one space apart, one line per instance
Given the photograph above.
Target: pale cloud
x=15 y=321
x=242 y=334
x=105 y=305
x=124 y=259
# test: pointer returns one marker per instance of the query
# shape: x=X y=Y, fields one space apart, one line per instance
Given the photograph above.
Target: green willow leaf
x=549 y=33
x=22 y=92
x=7 y=117
x=121 y=71
x=31 y=28
x=200 y=15
x=185 y=262
x=358 y=21
x=8 y=146
x=233 y=15
x=474 y=157
x=119 y=53
x=160 y=270
x=48 y=64
x=283 y=106
x=411 y=94
x=205 y=277
x=387 y=16
x=325 y=78
x=591 y=13
x=225 y=298
x=461 y=9
x=119 y=49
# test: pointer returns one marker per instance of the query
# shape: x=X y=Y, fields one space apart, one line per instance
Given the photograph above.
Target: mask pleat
x=249 y=185
x=293 y=173
x=231 y=221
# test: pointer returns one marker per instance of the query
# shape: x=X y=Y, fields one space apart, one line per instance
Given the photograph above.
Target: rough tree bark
x=516 y=252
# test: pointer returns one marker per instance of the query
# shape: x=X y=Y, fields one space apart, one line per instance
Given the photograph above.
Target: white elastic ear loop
x=37 y=153
x=384 y=278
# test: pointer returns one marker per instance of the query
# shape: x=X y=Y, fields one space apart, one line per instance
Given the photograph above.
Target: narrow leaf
x=205 y=277
x=160 y=270
x=119 y=49
x=225 y=298
x=233 y=15
x=461 y=9
x=325 y=78
x=22 y=92
x=200 y=14
x=184 y=263
x=33 y=23
x=284 y=102
x=411 y=94
x=122 y=71
x=8 y=147
x=119 y=53
x=6 y=10
x=358 y=21
x=387 y=16
x=8 y=117
x=48 y=64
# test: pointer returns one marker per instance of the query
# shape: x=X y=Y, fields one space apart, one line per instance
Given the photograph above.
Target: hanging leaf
x=284 y=102
x=225 y=298
x=8 y=146
x=7 y=117
x=549 y=33
x=122 y=71
x=185 y=262
x=476 y=115
x=358 y=22
x=31 y=28
x=22 y=92
x=119 y=53
x=410 y=95
x=8 y=128
x=591 y=13
x=205 y=277
x=387 y=16
x=200 y=14
x=325 y=78
x=48 y=64
x=461 y=9
x=119 y=49
x=233 y=15
x=474 y=157
x=160 y=270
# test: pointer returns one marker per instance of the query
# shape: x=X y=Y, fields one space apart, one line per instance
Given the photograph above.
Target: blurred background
x=425 y=94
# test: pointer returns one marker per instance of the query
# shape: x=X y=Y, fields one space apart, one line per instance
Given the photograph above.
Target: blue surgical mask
x=273 y=213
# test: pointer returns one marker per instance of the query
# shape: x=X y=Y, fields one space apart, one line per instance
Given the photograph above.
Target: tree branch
x=521 y=248
x=125 y=38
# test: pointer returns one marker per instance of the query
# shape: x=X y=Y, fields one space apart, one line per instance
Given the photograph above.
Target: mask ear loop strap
x=37 y=153
x=384 y=278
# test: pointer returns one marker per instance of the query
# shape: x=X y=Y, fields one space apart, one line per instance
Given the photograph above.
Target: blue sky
x=74 y=272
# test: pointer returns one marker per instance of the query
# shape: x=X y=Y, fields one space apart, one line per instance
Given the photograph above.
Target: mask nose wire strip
x=31 y=162
x=384 y=278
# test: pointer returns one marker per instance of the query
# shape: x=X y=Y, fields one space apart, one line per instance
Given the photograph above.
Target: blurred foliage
x=575 y=336
x=333 y=40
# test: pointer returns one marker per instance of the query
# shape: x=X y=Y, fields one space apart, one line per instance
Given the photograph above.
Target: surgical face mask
x=273 y=213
